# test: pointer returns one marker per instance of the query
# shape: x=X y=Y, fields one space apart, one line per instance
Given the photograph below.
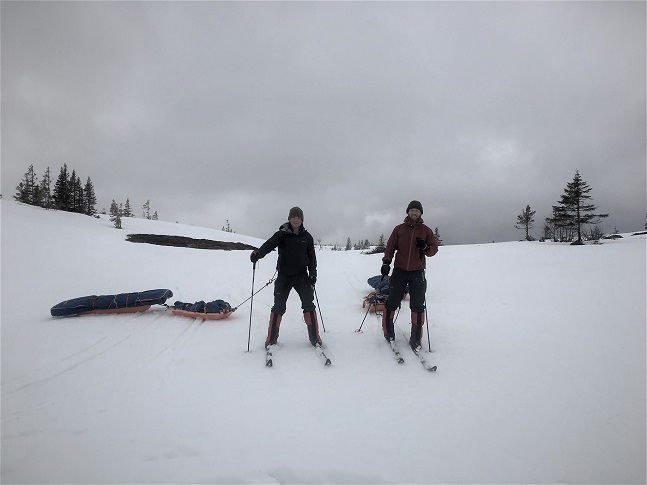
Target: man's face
x=414 y=214
x=295 y=223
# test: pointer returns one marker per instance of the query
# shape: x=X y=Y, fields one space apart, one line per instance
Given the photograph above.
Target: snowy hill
x=540 y=350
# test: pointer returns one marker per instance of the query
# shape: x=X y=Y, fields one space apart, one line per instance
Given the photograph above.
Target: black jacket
x=296 y=251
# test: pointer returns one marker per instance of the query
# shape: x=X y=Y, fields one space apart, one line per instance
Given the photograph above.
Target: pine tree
x=89 y=199
x=46 y=190
x=22 y=193
x=525 y=221
x=147 y=209
x=76 y=194
x=348 y=245
x=28 y=190
x=155 y=216
x=61 y=196
x=115 y=214
x=573 y=211
x=438 y=240
x=381 y=245
x=128 y=211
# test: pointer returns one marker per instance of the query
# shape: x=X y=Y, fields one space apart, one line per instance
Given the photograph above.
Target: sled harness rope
x=266 y=285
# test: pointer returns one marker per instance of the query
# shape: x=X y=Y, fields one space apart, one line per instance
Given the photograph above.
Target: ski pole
x=424 y=277
x=427 y=319
x=368 y=310
x=251 y=307
x=319 y=307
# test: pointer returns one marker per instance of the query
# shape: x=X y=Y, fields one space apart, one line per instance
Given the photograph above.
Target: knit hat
x=414 y=204
x=295 y=212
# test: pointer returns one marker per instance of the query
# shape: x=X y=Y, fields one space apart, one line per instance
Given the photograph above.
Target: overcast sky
x=238 y=111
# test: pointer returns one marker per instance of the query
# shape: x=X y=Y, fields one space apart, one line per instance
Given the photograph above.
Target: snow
x=540 y=350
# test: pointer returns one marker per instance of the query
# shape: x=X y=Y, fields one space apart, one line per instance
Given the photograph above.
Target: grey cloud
x=239 y=110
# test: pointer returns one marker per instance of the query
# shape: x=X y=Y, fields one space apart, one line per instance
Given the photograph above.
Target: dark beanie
x=295 y=212
x=414 y=204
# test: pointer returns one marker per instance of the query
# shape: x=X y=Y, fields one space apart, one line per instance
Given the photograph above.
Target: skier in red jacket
x=411 y=242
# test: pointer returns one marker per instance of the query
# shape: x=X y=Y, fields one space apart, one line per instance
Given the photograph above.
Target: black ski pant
x=417 y=289
x=282 y=287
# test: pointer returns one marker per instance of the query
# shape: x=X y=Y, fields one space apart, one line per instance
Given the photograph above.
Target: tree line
x=379 y=247
x=573 y=212
x=70 y=195
x=119 y=211
x=569 y=218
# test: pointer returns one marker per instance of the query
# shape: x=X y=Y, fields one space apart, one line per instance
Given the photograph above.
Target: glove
x=385 y=270
x=254 y=256
x=421 y=244
x=313 y=279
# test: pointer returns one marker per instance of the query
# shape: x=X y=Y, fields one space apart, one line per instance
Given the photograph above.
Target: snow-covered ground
x=540 y=350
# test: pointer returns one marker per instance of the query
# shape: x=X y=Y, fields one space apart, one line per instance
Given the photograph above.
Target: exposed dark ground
x=186 y=242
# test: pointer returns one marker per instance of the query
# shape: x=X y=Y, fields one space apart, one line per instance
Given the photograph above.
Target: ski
x=425 y=364
x=325 y=360
x=268 y=356
x=422 y=360
x=396 y=353
x=269 y=362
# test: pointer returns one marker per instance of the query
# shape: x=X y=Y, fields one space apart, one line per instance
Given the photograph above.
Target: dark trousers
x=282 y=287
x=417 y=289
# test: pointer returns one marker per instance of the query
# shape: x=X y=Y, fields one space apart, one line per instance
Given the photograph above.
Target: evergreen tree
x=573 y=210
x=46 y=190
x=147 y=209
x=28 y=190
x=89 y=199
x=348 y=245
x=76 y=194
x=128 y=211
x=22 y=193
x=438 y=240
x=115 y=214
x=155 y=216
x=61 y=196
x=525 y=221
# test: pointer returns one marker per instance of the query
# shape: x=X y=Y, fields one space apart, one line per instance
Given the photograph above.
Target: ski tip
x=432 y=369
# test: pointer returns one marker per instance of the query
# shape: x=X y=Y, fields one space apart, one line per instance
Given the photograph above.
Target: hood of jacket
x=410 y=222
x=287 y=228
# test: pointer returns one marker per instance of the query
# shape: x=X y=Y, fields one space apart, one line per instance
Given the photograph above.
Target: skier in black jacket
x=297 y=268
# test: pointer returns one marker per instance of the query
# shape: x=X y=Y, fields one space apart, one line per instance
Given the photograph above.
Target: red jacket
x=403 y=240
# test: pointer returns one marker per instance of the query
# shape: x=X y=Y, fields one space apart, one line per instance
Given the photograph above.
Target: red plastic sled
x=374 y=306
